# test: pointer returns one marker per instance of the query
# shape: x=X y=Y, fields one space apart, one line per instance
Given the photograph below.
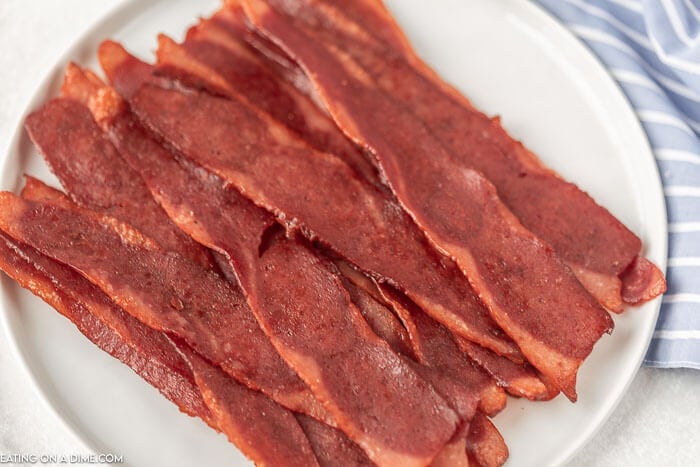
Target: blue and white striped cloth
x=652 y=49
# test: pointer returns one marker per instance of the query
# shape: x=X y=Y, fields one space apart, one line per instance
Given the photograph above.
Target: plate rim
x=38 y=95
x=116 y=16
x=661 y=230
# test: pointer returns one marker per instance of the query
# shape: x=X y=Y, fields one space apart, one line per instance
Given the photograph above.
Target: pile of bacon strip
x=296 y=231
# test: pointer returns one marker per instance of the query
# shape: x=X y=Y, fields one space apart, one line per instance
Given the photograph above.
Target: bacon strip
x=265 y=432
x=312 y=188
x=432 y=345
x=525 y=286
x=94 y=175
x=520 y=380
x=346 y=370
x=225 y=65
x=597 y=247
x=382 y=321
x=439 y=351
x=485 y=444
x=328 y=443
x=162 y=289
x=144 y=350
x=331 y=446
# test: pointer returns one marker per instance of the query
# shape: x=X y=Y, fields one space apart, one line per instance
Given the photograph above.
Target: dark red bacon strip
x=438 y=350
x=211 y=59
x=528 y=290
x=642 y=281
x=331 y=446
x=380 y=318
x=519 y=380
x=94 y=175
x=144 y=350
x=161 y=289
x=380 y=402
x=432 y=345
x=264 y=431
x=485 y=444
x=597 y=247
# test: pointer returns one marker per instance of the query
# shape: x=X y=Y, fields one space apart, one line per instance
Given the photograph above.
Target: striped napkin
x=652 y=49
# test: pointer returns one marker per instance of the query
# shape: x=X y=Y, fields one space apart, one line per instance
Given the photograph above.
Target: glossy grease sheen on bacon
x=528 y=290
x=94 y=175
x=143 y=349
x=597 y=247
x=161 y=289
x=321 y=195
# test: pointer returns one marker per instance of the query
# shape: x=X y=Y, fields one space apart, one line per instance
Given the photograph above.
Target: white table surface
x=656 y=424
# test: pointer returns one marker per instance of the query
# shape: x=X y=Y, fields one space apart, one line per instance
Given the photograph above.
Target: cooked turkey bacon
x=385 y=241
x=237 y=235
x=528 y=290
x=519 y=380
x=332 y=446
x=355 y=373
x=144 y=350
x=264 y=431
x=321 y=195
x=597 y=247
x=94 y=175
x=439 y=352
x=485 y=444
x=161 y=289
x=294 y=229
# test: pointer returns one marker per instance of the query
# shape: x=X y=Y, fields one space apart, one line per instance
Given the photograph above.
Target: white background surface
x=657 y=422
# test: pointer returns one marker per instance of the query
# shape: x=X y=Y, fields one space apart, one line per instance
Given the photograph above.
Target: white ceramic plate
x=511 y=59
